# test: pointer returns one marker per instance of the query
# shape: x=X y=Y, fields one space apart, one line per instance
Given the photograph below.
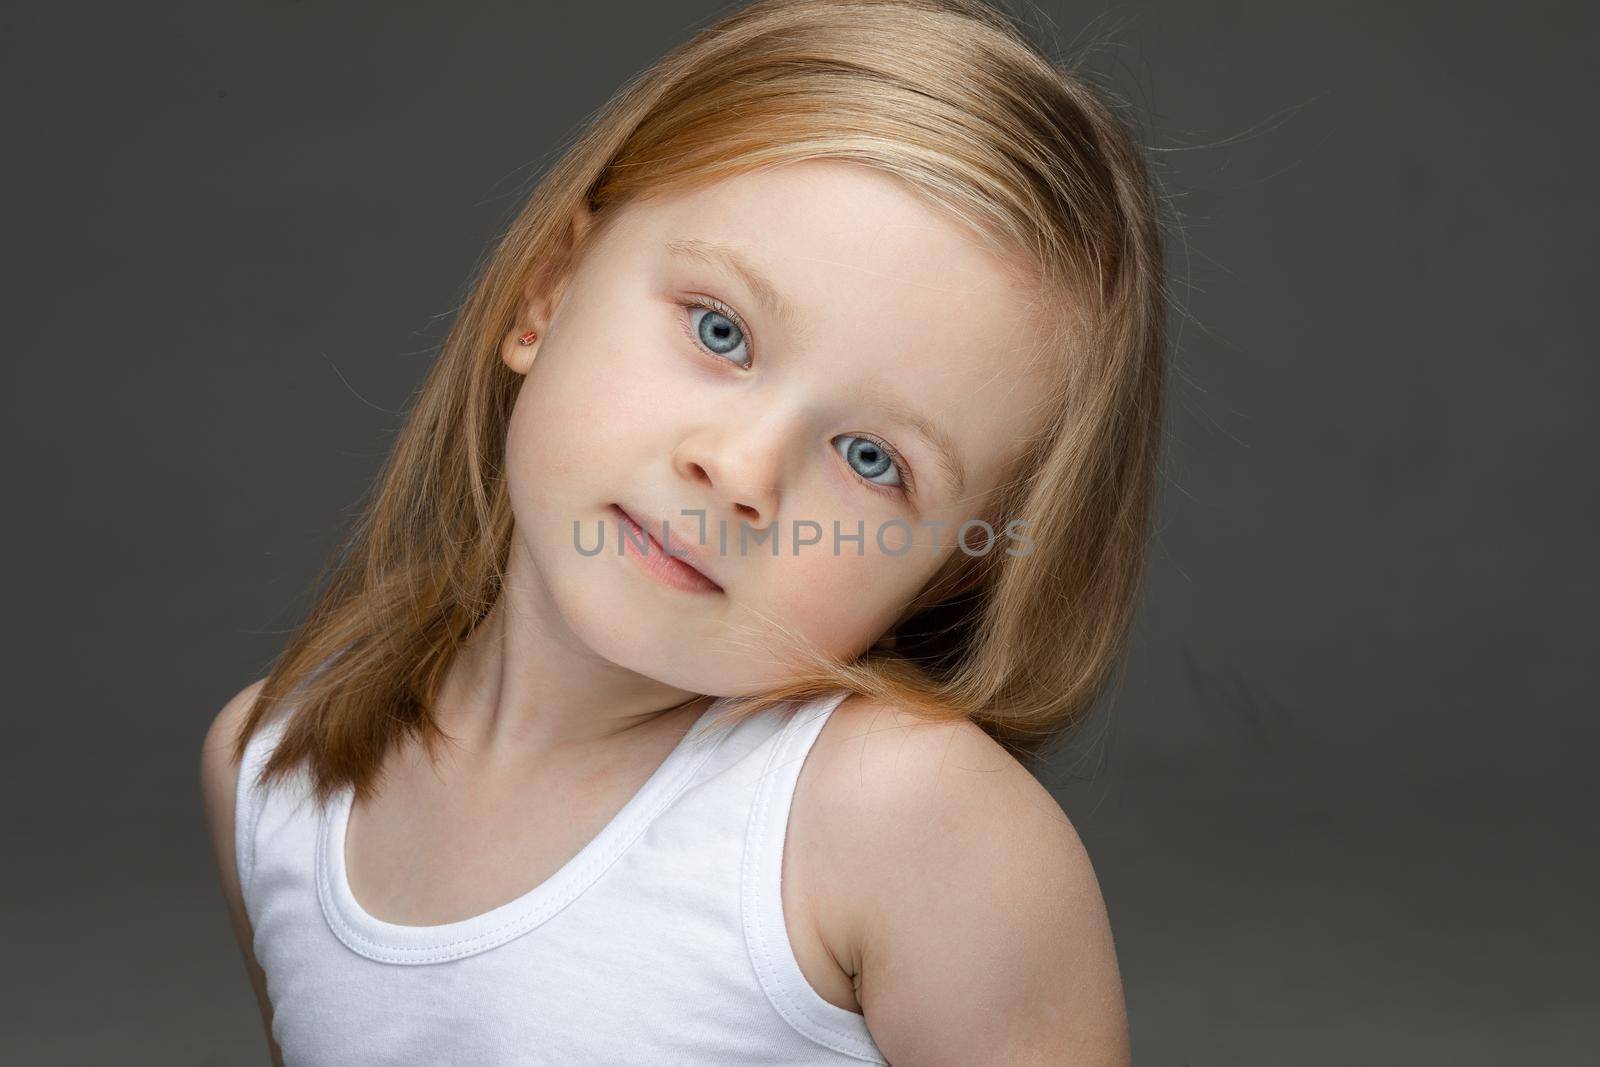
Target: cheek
x=565 y=428
x=547 y=447
x=843 y=603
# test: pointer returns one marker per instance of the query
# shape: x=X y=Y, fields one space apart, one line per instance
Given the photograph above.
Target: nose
x=737 y=475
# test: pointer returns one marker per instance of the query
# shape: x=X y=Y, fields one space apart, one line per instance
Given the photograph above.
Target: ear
x=542 y=293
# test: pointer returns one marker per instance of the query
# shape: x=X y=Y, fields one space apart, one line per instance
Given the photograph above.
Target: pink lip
x=683 y=567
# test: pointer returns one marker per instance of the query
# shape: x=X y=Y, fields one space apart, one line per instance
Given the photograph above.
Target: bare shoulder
x=961 y=895
x=219 y=778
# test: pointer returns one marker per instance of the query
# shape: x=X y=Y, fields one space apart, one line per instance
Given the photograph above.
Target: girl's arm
x=219 y=776
x=969 y=907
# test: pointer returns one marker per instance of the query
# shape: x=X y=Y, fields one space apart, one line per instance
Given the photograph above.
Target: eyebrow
x=889 y=403
x=729 y=258
x=935 y=434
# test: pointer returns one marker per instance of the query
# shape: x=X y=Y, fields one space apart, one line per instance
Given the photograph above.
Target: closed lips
x=683 y=552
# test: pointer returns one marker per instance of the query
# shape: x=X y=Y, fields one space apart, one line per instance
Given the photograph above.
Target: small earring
x=528 y=338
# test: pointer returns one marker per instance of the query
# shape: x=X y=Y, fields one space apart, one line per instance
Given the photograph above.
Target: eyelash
x=907 y=486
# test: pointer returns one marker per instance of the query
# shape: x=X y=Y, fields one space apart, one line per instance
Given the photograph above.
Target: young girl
x=778 y=498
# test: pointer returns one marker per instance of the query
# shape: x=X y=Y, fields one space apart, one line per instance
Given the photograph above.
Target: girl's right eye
x=718 y=329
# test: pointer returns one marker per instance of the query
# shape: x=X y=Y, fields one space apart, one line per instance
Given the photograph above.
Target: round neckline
x=387 y=942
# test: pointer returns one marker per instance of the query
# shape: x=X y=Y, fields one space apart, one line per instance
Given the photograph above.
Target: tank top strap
x=766 y=935
x=250 y=797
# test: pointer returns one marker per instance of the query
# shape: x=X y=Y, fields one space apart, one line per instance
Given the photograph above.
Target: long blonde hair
x=952 y=97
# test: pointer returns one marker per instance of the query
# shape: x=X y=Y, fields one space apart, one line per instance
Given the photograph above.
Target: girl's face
x=783 y=402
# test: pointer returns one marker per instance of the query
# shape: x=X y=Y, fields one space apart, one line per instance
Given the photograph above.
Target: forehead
x=890 y=296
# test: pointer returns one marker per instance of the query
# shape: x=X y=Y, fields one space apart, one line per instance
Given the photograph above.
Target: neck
x=522 y=690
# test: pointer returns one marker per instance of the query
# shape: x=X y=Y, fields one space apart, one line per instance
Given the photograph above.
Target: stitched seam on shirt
x=474 y=943
x=757 y=845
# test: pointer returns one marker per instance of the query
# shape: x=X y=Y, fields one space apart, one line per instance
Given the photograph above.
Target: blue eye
x=870 y=459
x=718 y=329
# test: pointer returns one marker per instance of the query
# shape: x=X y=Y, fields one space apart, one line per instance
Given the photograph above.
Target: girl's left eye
x=879 y=459
x=720 y=330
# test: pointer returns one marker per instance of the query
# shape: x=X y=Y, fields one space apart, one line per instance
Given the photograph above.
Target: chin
x=620 y=623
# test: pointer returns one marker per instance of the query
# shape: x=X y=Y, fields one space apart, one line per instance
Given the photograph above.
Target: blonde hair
x=948 y=95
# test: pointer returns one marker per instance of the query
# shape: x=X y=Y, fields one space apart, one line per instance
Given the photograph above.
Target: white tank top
x=663 y=941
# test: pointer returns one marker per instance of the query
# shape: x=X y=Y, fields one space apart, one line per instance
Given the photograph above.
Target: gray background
x=1340 y=800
